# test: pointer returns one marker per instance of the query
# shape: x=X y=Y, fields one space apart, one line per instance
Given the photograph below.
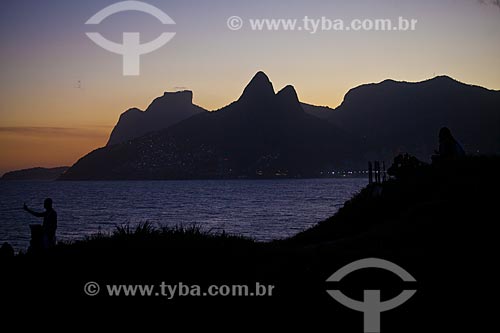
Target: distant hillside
x=163 y=112
x=392 y=117
x=35 y=174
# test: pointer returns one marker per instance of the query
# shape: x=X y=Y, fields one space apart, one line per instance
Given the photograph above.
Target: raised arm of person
x=33 y=212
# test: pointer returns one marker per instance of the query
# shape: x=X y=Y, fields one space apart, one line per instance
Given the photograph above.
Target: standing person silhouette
x=49 y=225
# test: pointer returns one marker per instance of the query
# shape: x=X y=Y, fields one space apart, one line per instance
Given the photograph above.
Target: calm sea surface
x=260 y=209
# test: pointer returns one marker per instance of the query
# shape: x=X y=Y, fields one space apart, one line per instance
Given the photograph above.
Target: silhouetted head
x=445 y=134
x=47 y=204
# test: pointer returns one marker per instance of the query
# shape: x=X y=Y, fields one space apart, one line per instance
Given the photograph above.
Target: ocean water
x=260 y=209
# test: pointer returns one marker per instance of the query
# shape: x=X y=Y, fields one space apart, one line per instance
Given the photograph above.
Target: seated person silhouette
x=49 y=225
x=449 y=148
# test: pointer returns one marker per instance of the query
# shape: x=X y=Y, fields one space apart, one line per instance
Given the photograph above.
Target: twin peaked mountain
x=268 y=134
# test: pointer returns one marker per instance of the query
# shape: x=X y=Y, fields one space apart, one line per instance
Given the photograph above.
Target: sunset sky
x=61 y=94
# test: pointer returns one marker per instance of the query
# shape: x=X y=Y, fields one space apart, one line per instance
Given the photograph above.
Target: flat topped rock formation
x=164 y=112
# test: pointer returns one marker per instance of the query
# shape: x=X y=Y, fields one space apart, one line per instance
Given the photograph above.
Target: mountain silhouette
x=392 y=117
x=322 y=112
x=35 y=174
x=164 y=112
x=269 y=134
x=263 y=133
